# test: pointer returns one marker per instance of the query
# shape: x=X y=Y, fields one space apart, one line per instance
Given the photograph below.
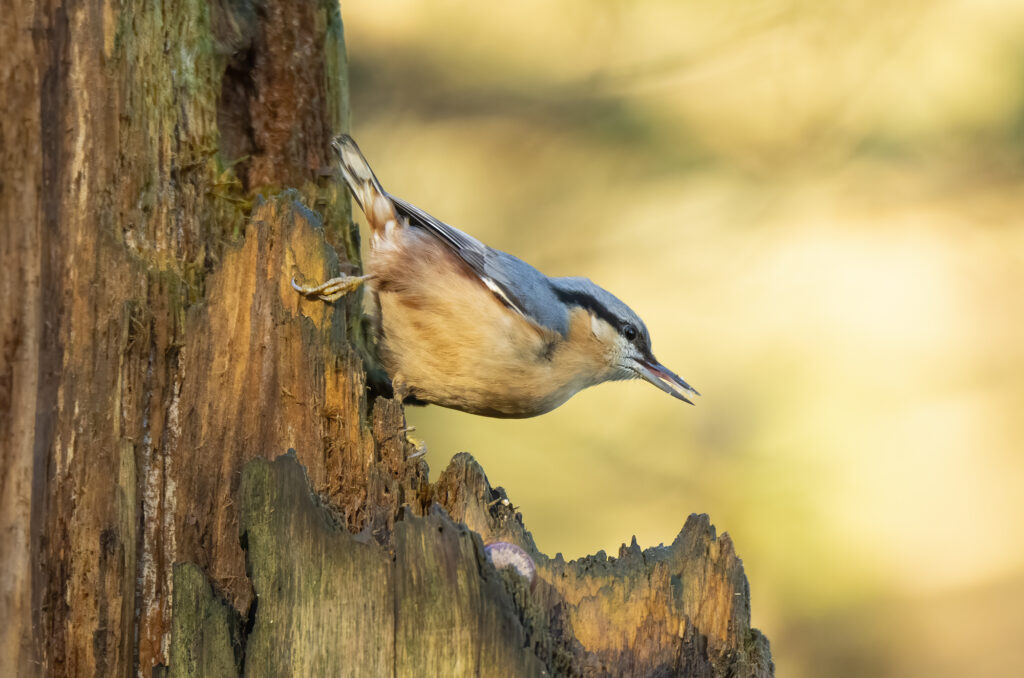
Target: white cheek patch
x=594 y=326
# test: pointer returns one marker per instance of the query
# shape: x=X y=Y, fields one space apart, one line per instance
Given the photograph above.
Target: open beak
x=665 y=379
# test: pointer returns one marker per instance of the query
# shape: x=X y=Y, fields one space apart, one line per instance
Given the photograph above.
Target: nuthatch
x=465 y=326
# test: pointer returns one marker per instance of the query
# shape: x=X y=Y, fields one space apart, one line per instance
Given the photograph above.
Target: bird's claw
x=333 y=289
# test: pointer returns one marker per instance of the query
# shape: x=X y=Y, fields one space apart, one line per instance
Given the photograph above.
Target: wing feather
x=473 y=252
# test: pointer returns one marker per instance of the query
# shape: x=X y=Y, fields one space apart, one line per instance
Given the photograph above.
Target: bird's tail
x=364 y=186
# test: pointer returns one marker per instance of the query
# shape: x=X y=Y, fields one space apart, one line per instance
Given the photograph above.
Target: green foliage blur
x=817 y=208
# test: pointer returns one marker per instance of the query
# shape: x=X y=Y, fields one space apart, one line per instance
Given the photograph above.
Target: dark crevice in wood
x=234 y=119
x=49 y=605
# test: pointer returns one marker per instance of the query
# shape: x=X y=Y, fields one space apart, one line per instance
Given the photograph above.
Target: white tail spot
x=356 y=164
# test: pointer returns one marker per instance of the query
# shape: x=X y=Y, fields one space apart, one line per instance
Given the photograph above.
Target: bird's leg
x=401 y=392
x=401 y=389
x=333 y=289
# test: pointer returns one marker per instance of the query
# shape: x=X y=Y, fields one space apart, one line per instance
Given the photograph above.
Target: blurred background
x=817 y=208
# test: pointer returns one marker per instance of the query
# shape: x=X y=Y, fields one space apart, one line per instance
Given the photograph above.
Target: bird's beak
x=665 y=379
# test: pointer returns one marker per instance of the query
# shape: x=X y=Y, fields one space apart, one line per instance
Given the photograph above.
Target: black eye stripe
x=587 y=301
x=584 y=300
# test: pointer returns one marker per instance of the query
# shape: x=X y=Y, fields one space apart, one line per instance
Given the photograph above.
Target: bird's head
x=622 y=339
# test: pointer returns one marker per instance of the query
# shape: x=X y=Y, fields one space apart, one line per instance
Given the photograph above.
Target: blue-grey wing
x=514 y=282
x=469 y=249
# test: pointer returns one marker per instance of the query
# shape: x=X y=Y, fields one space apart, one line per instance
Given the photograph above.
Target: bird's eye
x=629 y=332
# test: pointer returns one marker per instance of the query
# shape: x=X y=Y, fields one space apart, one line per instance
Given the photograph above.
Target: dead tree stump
x=163 y=175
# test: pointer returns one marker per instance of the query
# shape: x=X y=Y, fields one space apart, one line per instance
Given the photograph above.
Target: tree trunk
x=152 y=348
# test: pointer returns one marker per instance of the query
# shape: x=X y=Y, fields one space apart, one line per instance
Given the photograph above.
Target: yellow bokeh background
x=818 y=210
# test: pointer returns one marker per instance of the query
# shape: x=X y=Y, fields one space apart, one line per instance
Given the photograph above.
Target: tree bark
x=162 y=178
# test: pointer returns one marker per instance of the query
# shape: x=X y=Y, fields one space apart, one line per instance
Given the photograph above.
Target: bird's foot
x=419 y=448
x=333 y=289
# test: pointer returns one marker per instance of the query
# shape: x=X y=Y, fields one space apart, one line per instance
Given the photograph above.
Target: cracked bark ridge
x=426 y=603
x=414 y=595
x=682 y=609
